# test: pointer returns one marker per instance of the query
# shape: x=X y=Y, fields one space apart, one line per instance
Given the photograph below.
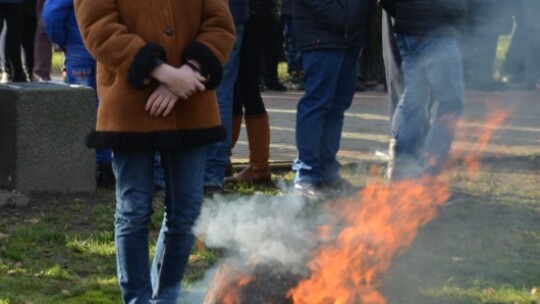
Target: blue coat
x=61 y=27
x=331 y=24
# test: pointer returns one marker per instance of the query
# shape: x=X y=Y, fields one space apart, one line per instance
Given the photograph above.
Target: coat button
x=168 y=31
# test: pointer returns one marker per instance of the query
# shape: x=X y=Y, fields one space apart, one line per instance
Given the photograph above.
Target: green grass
x=483 y=249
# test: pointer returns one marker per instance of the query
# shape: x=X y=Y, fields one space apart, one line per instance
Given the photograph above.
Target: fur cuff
x=159 y=140
x=211 y=68
x=145 y=61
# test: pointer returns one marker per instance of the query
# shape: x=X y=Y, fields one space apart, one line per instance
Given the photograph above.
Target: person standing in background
x=426 y=36
x=272 y=55
x=218 y=163
x=43 y=49
x=486 y=21
x=13 y=15
x=263 y=17
x=330 y=35
x=295 y=69
x=29 y=8
x=531 y=12
x=61 y=26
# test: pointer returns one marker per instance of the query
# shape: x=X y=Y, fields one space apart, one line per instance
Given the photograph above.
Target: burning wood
x=265 y=285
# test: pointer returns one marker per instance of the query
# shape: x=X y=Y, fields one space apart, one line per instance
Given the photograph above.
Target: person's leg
x=532 y=59
x=321 y=68
x=408 y=122
x=392 y=62
x=28 y=38
x=134 y=190
x=273 y=52
x=12 y=51
x=294 y=57
x=217 y=158
x=43 y=49
x=248 y=91
x=85 y=75
x=444 y=72
x=184 y=176
x=333 y=121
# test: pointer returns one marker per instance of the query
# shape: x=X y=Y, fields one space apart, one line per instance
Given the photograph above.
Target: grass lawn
x=484 y=248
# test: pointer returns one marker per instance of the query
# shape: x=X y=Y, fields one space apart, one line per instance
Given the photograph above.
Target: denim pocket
x=82 y=75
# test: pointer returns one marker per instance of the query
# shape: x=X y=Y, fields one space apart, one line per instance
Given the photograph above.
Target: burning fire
x=375 y=226
x=226 y=286
x=383 y=220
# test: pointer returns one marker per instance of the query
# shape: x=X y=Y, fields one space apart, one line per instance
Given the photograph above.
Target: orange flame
x=381 y=222
x=226 y=286
x=472 y=159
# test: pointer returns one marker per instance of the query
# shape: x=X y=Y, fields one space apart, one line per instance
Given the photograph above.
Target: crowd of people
x=175 y=83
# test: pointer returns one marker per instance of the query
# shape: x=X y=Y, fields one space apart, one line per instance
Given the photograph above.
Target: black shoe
x=105 y=176
x=210 y=190
x=158 y=188
x=276 y=86
x=341 y=187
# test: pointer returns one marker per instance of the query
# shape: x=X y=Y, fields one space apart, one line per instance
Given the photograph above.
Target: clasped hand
x=175 y=84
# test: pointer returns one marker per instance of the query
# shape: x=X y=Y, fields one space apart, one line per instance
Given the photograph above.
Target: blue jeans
x=432 y=69
x=330 y=80
x=134 y=170
x=217 y=155
x=86 y=75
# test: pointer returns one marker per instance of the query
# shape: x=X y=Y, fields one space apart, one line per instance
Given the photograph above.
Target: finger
x=151 y=101
x=169 y=108
x=200 y=86
x=199 y=77
x=156 y=105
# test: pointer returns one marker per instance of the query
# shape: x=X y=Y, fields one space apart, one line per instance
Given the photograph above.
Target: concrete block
x=10 y=199
x=42 y=130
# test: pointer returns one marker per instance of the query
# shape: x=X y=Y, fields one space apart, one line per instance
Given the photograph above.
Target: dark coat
x=286 y=7
x=264 y=8
x=331 y=24
x=426 y=17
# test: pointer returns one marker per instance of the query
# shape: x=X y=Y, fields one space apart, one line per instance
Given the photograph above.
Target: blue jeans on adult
x=134 y=170
x=218 y=153
x=432 y=69
x=85 y=75
x=330 y=80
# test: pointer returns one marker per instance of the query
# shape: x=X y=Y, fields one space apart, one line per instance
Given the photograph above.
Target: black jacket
x=286 y=7
x=426 y=17
x=264 y=8
x=239 y=10
x=331 y=24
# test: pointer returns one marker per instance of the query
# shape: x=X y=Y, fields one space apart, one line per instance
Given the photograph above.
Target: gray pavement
x=367 y=125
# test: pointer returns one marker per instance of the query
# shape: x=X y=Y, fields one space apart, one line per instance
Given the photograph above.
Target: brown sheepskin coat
x=128 y=38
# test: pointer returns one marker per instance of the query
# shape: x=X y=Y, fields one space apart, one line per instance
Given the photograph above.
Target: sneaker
x=309 y=191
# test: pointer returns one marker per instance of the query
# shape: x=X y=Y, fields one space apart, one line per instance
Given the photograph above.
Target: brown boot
x=235 y=133
x=258 y=133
